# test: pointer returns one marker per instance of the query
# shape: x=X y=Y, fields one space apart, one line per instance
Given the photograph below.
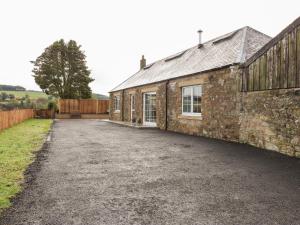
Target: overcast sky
x=115 y=33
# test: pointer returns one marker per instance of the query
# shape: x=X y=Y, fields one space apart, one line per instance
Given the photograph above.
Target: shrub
x=52 y=106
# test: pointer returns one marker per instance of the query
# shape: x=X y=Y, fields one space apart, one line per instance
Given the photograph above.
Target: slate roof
x=229 y=49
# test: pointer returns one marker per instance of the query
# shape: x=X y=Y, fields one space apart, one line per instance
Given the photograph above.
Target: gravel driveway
x=95 y=172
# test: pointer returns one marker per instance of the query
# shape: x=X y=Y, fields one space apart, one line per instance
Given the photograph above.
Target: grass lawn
x=17 y=147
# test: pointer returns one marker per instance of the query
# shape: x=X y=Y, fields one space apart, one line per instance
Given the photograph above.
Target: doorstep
x=128 y=124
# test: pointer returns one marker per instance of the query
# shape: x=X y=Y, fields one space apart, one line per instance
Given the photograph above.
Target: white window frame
x=117 y=103
x=144 y=108
x=132 y=102
x=192 y=105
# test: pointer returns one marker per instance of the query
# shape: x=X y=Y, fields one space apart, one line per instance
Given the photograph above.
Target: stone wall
x=271 y=120
x=270 y=105
x=220 y=118
x=219 y=109
x=267 y=119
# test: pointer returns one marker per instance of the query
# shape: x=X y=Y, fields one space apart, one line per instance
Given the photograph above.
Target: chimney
x=200 y=38
x=142 y=62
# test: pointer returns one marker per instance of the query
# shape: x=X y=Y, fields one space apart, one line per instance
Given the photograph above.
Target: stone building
x=204 y=91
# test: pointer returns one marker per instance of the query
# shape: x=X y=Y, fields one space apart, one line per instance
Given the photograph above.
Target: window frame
x=117 y=103
x=192 y=104
x=144 y=109
x=132 y=102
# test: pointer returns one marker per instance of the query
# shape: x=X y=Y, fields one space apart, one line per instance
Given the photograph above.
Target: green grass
x=38 y=94
x=17 y=147
x=32 y=94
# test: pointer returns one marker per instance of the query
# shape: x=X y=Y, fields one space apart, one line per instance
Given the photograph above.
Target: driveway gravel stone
x=95 y=172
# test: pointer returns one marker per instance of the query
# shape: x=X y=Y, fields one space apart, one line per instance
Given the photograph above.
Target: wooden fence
x=10 y=118
x=277 y=64
x=83 y=106
x=44 y=113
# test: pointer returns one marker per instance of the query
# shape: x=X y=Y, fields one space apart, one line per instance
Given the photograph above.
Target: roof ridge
x=241 y=57
x=206 y=42
x=257 y=31
x=238 y=55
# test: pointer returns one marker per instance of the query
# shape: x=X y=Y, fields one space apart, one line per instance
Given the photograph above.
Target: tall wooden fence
x=10 y=118
x=277 y=64
x=44 y=113
x=83 y=106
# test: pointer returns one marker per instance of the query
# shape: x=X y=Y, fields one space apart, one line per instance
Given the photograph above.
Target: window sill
x=117 y=111
x=190 y=117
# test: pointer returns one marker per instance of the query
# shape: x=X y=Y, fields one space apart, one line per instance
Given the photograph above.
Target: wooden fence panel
x=283 y=62
x=277 y=64
x=276 y=70
x=269 y=80
x=298 y=58
x=83 y=106
x=10 y=118
x=103 y=106
x=262 y=72
x=292 y=60
x=256 y=76
x=74 y=105
x=88 y=106
x=250 y=80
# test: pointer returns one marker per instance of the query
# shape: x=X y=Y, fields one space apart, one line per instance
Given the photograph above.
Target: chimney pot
x=200 y=38
x=142 y=62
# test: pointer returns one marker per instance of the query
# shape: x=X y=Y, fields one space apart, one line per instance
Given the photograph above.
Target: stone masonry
x=266 y=119
x=219 y=119
x=256 y=101
x=271 y=120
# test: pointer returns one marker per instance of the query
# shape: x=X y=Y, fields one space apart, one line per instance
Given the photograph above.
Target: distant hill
x=4 y=87
x=32 y=94
x=99 y=96
x=19 y=92
x=39 y=94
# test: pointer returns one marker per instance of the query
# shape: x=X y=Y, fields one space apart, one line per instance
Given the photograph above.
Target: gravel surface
x=95 y=172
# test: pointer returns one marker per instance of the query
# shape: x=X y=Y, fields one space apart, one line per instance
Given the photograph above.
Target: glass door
x=149 y=112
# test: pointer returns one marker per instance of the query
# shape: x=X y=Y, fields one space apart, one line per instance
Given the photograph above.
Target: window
x=191 y=100
x=149 y=108
x=117 y=103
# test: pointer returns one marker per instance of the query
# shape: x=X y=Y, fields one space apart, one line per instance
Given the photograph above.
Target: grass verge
x=17 y=147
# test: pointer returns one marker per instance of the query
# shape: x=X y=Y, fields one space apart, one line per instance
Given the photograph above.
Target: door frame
x=132 y=109
x=144 y=98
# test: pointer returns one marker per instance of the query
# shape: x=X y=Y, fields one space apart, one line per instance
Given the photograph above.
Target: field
x=38 y=94
x=17 y=147
x=32 y=94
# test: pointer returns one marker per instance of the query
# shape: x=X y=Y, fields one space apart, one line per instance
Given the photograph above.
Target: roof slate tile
x=232 y=48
